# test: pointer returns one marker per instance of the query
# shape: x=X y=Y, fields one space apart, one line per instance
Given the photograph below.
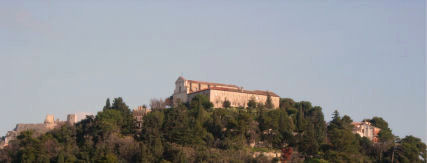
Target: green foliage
x=145 y=154
x=226 y=104
x=107 y=104
x=110 y=121
x=268 y=103
x=379 y=122
x=196 y=132
x=315 y=160
x=60 y=158
x=410 y=149
x=200 y=100
x=177 y=126
x=252 y=103
x=286 y=103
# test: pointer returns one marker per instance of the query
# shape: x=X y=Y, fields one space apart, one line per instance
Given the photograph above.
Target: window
x=179 y=88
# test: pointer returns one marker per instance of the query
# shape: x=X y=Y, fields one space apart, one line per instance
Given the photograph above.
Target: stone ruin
x=40 y=128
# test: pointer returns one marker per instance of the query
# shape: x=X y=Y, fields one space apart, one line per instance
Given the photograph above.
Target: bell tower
x=181 y=90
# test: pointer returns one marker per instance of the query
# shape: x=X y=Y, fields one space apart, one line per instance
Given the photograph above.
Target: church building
x=217 y=93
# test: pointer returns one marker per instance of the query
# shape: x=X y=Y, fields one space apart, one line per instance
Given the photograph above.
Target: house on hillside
x=365 y=129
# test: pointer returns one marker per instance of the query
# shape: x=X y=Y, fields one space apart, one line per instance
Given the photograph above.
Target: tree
x=127 y=125
x=343 y=140
x=344 y=144
x=107 y=104
x=177 y=125
x=410 y=149
x=366 y=146
x=145 y=154
x=336 y=120
x=315 y=117
x=252 y=103
x=157 y=147
x=379 y=122
x=152 y=126
x=385 y=134
x=346 y=122
x=200 y=100
x=120 y=105
x=60 y=158
x=286 y=103
x=286 y=125
x=226 y=104
x=192 y=132
x=309 y=144
x=268 y=103
x=109 y=121
x=300 y=121
x=199 y=133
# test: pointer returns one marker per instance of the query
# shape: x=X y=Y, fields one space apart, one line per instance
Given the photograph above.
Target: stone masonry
x=185 y=90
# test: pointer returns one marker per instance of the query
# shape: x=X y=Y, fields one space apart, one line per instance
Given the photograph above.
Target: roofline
x=210 y=83
x=256 y=92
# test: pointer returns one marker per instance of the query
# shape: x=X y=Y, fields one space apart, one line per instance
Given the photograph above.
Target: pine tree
x=107 y=104
x=335 y=116
x=300 y=120
x=157 y=147
x=268 y=102
x=226 y=104
x=252 y=103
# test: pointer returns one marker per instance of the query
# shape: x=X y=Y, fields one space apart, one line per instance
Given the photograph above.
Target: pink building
x=365 y=129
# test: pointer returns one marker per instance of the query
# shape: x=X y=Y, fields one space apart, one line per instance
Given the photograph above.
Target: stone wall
x=71 y=119
x=185 y=90
x=40 y=128
x=138 y=115
x=237 y=99
x=184 y=87
x=37 y=128
x=217 y=97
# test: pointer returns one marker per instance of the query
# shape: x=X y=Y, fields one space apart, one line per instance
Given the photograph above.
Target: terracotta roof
x=356 y=123
x=257 y=92
x=209 y=83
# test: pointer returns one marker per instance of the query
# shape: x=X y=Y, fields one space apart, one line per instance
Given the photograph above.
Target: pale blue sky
x=364 y=58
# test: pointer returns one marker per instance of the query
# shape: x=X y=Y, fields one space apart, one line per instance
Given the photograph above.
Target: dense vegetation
x=196 y=132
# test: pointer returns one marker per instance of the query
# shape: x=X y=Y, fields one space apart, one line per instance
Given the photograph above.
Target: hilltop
x=195 y=131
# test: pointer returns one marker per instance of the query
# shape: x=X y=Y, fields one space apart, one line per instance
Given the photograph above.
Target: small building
x=365 y=129
x=138 y=115
x=77 y=117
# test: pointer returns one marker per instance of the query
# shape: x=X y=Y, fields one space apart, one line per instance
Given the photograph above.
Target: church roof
x=210 y=83
x=180 y=78
x=257 y=92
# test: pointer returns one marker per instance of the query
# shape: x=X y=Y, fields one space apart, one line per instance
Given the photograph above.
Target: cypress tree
x=268 y=103
x=107 y=104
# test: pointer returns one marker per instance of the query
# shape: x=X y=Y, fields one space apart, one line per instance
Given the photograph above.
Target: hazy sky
x=364 y=58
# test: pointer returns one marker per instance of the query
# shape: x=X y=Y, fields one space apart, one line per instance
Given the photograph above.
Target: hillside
x=196 y=132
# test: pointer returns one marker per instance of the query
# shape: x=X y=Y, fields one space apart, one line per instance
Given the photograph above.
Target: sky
x=363 y=58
